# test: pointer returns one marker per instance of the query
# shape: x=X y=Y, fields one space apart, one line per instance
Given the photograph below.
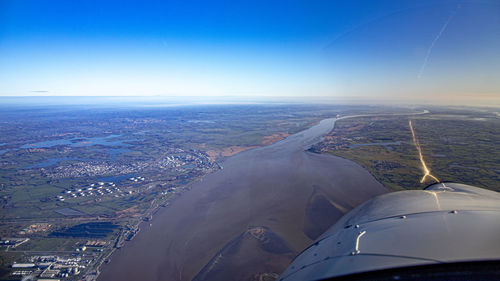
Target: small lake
x=79 y=142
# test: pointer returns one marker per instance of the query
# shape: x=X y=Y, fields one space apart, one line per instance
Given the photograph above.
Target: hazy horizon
x=161 y=101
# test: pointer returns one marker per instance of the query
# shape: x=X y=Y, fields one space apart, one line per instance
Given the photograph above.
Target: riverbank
x=275 y=188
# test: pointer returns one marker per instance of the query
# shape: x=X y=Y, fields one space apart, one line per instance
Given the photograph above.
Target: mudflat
x=249 y=219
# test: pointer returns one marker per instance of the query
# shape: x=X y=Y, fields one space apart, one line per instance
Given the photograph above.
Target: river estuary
x=249 y=219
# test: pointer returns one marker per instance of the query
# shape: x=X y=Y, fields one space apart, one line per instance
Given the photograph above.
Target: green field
x=457 y=145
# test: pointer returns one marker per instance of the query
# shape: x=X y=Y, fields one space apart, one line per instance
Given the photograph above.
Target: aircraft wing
x=443 y=225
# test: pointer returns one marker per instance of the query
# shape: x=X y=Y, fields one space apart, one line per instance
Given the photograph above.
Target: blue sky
x=418 y=51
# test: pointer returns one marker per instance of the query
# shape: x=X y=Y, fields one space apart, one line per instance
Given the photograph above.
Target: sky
x=390 y=51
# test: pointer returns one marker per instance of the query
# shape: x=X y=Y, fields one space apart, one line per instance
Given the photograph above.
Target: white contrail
x=443 y=28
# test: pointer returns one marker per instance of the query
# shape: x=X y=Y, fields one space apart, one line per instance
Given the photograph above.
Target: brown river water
x=248 y=220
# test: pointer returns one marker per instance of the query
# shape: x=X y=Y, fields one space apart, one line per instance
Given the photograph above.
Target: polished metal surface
x=442 y=224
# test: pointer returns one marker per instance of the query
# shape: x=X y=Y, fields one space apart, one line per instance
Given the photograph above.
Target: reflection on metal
x=427 y=172
x=356 y=249
x=436 y=198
